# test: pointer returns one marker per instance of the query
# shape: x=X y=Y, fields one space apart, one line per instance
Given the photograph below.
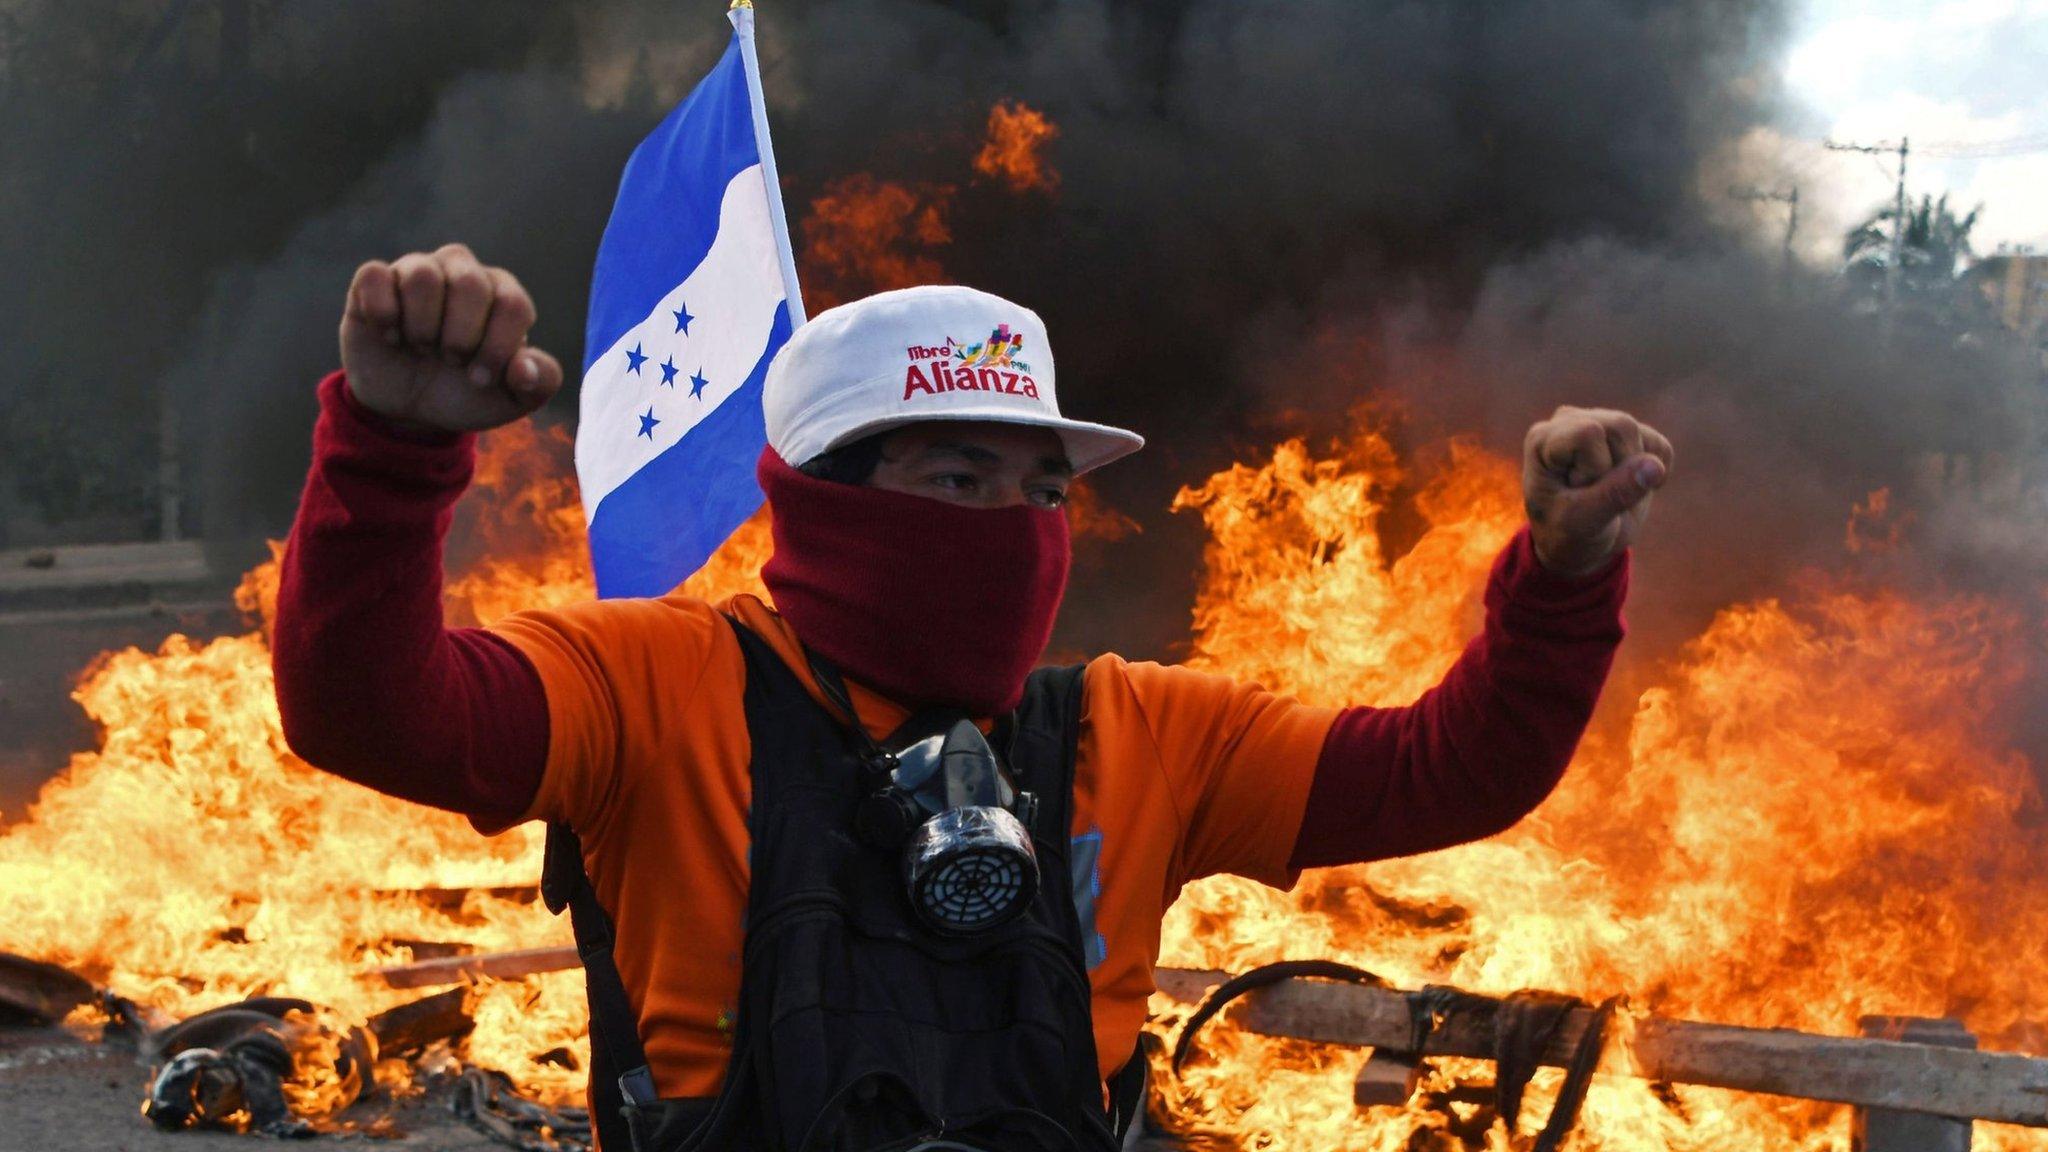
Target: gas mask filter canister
x=963 y=828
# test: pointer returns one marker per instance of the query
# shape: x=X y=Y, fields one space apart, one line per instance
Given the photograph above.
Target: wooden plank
x=497 y=965
x=1387 y=1079
x=2001 y=1086
x=431 y=949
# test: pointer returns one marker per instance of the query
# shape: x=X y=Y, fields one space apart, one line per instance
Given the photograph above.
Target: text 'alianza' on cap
x=935 y=352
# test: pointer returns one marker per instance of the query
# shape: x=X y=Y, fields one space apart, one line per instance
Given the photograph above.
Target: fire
x=1300 y=595
x=523 y=511
x=192 y=861
x=1798 y=823
x=1802 y=823
x=1017 y=134
x=866 y=235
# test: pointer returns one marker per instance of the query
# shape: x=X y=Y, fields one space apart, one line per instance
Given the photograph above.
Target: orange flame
x=866 y=235
x=1802 y=824
x=1017 y=134
x=192 y=860
x=525 y=518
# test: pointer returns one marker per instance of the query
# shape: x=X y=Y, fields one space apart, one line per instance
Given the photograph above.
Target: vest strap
x=614 y=1025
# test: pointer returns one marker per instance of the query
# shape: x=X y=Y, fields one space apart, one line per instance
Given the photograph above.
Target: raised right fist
x=437 y=340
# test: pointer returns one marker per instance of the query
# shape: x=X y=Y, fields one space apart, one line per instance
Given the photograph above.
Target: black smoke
x=1492 y=208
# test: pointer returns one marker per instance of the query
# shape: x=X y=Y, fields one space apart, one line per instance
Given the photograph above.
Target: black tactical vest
x=858 y=1029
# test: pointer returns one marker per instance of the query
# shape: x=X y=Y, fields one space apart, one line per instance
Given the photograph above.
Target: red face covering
x=926 y=602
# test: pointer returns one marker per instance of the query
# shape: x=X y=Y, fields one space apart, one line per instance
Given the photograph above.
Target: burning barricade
x=191 y=864
x=1798 y=823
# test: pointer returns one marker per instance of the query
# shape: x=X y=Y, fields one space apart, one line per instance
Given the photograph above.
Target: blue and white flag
x=694 y=293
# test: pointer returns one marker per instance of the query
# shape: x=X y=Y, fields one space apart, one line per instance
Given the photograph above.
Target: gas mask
x=940 y=798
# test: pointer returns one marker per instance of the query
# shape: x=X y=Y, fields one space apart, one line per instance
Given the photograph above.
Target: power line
x=1988 y=149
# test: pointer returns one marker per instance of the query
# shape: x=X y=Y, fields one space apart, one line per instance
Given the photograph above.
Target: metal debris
x=487 y=1101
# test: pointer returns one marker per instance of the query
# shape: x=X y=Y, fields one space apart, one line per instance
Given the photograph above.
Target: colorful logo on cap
x=998 y=351
x=957 y=366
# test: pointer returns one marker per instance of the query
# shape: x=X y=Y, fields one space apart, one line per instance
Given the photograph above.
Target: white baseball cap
x=934 y=352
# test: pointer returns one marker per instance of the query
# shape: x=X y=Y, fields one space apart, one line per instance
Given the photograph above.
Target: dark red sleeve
x=1487 y=744
x=370 y=684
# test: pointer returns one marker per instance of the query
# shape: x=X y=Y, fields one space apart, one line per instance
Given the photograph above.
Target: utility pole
x=1789 y=198
x=1891 y=272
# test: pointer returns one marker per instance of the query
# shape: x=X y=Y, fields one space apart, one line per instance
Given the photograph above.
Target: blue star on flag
x=635 y=359
x=647 y=423
x=683 y=317
x=668 y=371
x=697 y=383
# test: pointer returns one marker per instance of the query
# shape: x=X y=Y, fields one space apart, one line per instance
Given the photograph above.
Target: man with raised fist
x=847 y=871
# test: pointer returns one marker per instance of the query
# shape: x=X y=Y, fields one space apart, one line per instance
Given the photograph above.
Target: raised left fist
x=1587 y=478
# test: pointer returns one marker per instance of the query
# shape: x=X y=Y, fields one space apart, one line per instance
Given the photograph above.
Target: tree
x=1935 y=243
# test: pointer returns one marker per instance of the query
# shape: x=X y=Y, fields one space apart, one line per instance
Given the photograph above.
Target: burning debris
x=496 y=966
x=245 y=1068
x=285 y=1067
x=281 y=1067
x=1900 y=1076
x=1685 y=859
x=1576 y=899
x=32 y=992
x=491 y=1104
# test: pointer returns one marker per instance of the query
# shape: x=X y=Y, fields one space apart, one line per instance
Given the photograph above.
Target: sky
x=1953 y=76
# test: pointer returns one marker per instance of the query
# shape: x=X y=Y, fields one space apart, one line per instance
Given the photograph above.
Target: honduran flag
x=694 y=293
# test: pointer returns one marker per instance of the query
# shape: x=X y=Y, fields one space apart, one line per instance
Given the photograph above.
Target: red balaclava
x=926 y=602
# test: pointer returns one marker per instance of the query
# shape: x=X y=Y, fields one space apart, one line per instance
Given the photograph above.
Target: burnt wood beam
x=414 y=1025
x=497 y=965
x=2005 y=1087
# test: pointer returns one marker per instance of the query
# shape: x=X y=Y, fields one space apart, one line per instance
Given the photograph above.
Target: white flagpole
x=742 y=16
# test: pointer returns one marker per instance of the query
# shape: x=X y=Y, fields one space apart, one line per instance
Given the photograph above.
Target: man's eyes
x=1048 y=496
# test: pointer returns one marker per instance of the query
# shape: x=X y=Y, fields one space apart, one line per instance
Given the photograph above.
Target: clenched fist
x=1587 y=478
x=437 y=340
